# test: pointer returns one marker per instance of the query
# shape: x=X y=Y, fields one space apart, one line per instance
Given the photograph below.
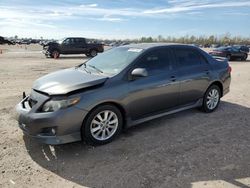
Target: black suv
x=72 y=46
x=5 y=41
x=231 y=52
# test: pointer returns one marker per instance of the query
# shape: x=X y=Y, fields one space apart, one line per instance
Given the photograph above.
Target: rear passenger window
x=157 y=61
x=79 y=40
x=189 y=57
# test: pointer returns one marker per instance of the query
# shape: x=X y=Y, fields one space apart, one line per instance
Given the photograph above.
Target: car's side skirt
x=148 y=118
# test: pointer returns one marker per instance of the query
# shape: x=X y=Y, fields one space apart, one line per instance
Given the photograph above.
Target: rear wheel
x=102 y=125
x=244 y=58
x=93 y=53
x=228 y=57
x=211 y=99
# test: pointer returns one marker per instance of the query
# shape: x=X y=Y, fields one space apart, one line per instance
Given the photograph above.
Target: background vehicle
x=122 y=87
x=72 y=46
x=231 y=52
x=242 y=48
x=5 y=41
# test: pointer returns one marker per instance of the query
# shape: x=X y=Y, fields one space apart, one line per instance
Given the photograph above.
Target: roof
x=151 y=45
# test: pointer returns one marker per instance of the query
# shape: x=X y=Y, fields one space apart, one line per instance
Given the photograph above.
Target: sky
x=122 y=19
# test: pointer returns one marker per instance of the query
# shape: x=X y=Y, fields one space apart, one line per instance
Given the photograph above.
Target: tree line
x=200 y=40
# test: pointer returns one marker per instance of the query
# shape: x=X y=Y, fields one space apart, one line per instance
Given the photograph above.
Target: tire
x=228 y=57
x=214 y=99
x=95 y=128
x=93 y=53
x=55 y=54
x=244 y=58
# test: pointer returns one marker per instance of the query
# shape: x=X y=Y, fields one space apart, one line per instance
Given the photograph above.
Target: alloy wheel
x=213 y=99
x=104 y=125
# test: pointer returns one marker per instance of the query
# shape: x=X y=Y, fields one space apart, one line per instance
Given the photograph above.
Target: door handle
x=173 y=78
x=207 y=71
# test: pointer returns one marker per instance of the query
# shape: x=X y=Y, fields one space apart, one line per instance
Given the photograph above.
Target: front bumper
x=66 y=123
x=45 y=52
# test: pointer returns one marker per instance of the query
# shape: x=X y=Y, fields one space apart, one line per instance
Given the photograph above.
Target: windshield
x=113 y=61
x=61 y=40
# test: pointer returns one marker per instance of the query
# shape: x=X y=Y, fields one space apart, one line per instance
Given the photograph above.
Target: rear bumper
x=101 y=50
x=226 y=91
x=60 y=127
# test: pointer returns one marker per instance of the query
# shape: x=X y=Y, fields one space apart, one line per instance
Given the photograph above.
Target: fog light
x=53 y=131
x=48 y=131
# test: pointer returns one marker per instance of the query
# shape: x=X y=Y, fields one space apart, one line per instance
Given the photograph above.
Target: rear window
x=189 y=57
x=79 y=40
x=222 y=48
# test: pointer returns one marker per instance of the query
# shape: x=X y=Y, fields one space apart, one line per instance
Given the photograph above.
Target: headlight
x=54 y=105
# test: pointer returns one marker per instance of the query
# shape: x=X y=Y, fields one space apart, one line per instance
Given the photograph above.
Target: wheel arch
x=93 y=48
x=54 y=49
x=219 y=84
x=113 y=103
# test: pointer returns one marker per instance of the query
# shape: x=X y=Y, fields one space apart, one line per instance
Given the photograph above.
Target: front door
x=159 y=90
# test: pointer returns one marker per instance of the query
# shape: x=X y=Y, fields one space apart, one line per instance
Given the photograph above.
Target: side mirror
x=139 y=72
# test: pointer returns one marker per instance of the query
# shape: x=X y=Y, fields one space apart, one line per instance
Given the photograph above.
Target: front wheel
x=102 y=125
x=211 y=99
x=55 y=54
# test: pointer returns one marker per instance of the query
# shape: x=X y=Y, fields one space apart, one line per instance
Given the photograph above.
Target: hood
x=67 y=80
x=51 y=44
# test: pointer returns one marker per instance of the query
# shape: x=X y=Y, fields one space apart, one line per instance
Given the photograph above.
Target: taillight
x=229 y=69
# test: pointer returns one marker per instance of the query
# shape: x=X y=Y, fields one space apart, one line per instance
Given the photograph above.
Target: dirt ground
x=188 y=149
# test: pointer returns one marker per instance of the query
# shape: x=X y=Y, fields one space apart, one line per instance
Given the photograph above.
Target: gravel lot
x=188 y=149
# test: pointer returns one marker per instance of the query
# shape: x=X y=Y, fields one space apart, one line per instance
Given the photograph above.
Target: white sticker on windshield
x=134 y=50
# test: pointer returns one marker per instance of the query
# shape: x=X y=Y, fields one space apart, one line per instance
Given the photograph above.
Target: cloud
x=57 y=16
x=109 y=19
x=191 y=5
x=89 y=5
x=111 y=14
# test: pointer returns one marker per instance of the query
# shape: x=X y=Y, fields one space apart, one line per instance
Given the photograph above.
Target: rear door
x=80 y=45
x=158 y=91
x=194 y=74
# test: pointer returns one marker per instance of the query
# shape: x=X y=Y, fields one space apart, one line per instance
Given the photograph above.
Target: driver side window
x=68 y=41
x=156 y=61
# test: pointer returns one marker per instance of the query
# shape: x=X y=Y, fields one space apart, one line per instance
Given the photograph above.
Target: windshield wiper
x=77 y=66
x=92 y=66
x=84 y=68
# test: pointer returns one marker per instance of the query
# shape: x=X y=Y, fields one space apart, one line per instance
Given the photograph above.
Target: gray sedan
x=122 y=87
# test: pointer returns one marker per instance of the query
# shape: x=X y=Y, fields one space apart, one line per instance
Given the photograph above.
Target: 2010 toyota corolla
x=122 y=87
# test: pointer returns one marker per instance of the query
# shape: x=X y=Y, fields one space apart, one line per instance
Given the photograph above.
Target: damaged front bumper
x=62 y=126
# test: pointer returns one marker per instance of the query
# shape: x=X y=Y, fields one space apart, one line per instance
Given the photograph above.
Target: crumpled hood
x=67 y=80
